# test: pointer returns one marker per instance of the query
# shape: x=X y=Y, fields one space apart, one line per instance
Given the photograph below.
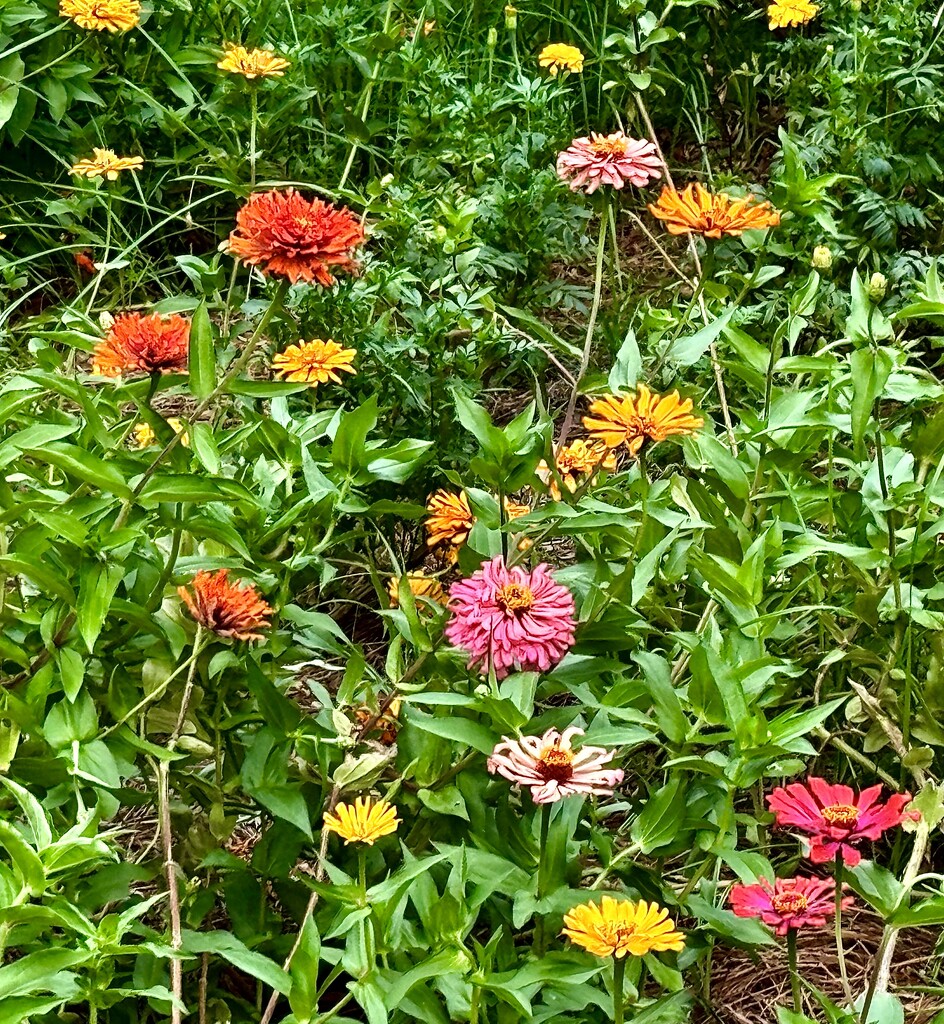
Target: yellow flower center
x=789 y=902
x=556 y=764
x=841 y=814
x=608 y=147
x=514 y=597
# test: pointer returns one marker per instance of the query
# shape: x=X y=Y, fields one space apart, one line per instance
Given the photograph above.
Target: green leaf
x=687 y=351
x=24 y=859
x=239 y=955
x=660 y=820
x=38 y=972
x=82 y=465
x=626 y=369
x=349 y=447
x=669 y=714
x=97 y=587
x=46 y=581
x=202 y=354
x=747 y=930
x=460 y=730
x=870 y=372
x=194 y=489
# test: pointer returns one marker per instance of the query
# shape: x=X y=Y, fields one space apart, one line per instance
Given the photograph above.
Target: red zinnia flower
x=285 y=234
x=143 y=344
x=788 y=903
x=835 y=818
x=228 y=609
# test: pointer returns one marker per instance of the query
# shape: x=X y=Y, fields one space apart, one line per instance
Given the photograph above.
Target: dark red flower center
x=556 y=765
x=841 y=815
x=789 y=902
x=514 y=597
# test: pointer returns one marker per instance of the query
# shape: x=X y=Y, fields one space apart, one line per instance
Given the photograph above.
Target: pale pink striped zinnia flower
x=551 y=769
x=613 y=160
x=511 y=617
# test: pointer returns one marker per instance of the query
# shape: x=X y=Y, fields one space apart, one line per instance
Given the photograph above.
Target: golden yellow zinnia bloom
x=450 y=518
x=237 y=60
x=635 y=420
x=421 y=585
x=557 y=56
x=364 y=821
x=102 y=15
x=104 y=163
x=696 y=210
x=314 y=362
x=575 y=461
x=144 y=436
x=785 y=13
x=617 y=927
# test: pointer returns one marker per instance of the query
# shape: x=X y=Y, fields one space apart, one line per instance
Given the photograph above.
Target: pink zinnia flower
x=835 y=818
x=505 y=617
x=551 y=769
x=608 y=160
x=788 y=903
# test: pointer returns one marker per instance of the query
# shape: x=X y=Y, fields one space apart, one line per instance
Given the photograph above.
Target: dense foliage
x=747 y=601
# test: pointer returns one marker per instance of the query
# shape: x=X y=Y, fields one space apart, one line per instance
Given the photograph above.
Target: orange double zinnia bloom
x=450 y=519
x=227 y=609
x=635 y=420
x=143 y=344
x=698 y=211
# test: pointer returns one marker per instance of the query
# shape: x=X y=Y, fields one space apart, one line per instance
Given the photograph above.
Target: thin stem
x=253 y=127
x=619 y=972
x=840 y=951
x=794 y=970
x=540 y=938
x=188 y=689
x=173 y=896
x=474 y=1001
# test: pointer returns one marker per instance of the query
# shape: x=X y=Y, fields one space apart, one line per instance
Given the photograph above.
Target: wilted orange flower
x=364 y=821
x=386 y=725
x=556 y=56
x=144 y=436
x=450 y=518
x=314 y=362
x=102 y=15
x=617 y=927
x=784 y=13
x=283 y=233
x=237 y=60
x=699 y=211
x=105 y=163
x=575 y=461
x=421 y=585
x=647 y=417
x=228 y=609
x=143 y=344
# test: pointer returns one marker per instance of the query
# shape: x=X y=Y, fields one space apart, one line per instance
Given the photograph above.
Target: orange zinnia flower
x=647 y=417
x=574 y=461
x=228 y=609
x=698 y=210
x=143 y=344
x=450 y=518
x=283 y=233
x=314 y=362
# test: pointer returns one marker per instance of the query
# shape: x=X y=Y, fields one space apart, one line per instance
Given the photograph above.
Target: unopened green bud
x=878 y=285
x=822 y=257
x=856 y=5
x=440 y=233
x=492 y=38
x=511 y=17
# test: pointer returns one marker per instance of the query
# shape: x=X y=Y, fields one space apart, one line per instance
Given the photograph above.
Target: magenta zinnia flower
x=511 y=617
x=608 y=160
x=788 y=903
x=551 y=769
x=835 y=818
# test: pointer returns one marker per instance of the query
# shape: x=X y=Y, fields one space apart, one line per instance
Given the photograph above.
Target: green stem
x=253 y=126
x=840 y=951
x=619 y=972
x=794 y=971
x=540 y=938
x=474 y=1001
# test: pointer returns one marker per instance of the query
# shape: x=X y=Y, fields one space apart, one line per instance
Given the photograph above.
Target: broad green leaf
x=349 y=447
x=82 y=465
x=97 y=586
x=660 y=820
x=239 y=955
x=24 y=859
x=870 y=371
x=45 y=580
x=202 y=361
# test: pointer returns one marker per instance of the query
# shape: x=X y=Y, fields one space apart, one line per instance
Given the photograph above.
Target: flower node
x=514 y=597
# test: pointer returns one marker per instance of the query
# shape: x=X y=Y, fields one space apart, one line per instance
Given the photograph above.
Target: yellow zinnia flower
x=421 y=585
x=104 y=163
x=784 y=13
x=695 y=210
x=102 y=15
x=617 y=927
x=314 y=362
x=364 y=821
x=144 y=436
x=237 y=60
x=450 y=518
x=556 y=56
x=574 y=462
x=646 y=417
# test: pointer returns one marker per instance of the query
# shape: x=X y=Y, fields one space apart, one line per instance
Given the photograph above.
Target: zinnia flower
x=102 y=15
x=364 y=821
x=788 y=903
x=551 y=769
x=450 y=518
x=143 y=344
x=144 y=436
x=285 y=234
x=420 y=585
x=616 y=927
x=608 y=160
x=556 y=56
x=574 y=462
x=228 y=609
x=834 y=818
x=634 y=421
x=697 y=210
x=105 y=163
x=509 y=617
x=314 y=362
x=237 y=60
x=784 y=13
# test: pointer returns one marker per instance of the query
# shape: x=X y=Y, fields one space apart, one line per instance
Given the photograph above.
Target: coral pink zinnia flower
x=608 y=160
x=504 y=617
x=283 y=233
x=788 y=903
x=551 y=769
x=835 y=818
x=143 y=344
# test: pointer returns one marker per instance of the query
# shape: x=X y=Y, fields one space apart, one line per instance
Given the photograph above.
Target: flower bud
x=511 y=17
x=878 y=285
x=856 y=5
x=822 y=258
x=492 y=38
x=440 y=233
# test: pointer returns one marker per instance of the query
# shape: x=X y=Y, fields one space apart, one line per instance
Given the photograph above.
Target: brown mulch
x=747 y=987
